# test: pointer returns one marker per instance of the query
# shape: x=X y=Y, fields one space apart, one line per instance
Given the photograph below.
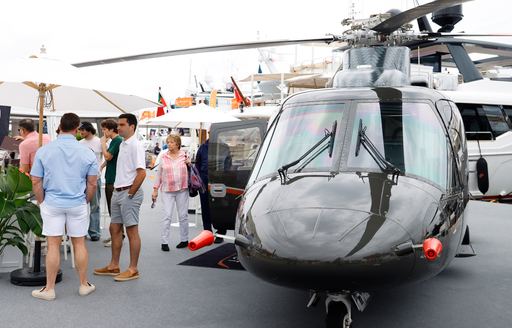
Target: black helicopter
x=354 y=188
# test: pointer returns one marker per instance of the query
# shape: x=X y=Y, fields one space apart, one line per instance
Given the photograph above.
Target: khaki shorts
x=125 y=210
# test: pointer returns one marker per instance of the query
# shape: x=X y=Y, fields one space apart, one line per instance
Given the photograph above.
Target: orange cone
x=205 y=238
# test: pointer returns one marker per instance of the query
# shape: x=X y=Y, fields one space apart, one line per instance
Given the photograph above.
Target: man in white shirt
x=91 y=141
x=126 y=200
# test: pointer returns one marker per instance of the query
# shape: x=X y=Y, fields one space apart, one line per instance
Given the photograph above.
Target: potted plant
x=18 y=214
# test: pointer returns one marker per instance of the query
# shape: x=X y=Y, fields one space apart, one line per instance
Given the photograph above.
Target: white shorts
x=73 y=221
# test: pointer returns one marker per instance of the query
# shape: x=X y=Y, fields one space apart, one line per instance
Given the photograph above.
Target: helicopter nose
x=322 y=249
x=327 y=234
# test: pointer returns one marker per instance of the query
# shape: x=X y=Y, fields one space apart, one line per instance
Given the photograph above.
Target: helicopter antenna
x=195 y=80
x=352 y=10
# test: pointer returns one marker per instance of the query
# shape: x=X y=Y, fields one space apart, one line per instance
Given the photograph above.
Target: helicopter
x=350 y=189
x=485 y=104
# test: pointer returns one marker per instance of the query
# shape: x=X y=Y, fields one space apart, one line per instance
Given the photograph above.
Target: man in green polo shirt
x=109 y=129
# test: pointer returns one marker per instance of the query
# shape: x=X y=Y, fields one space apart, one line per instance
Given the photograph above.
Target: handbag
x=195 y=183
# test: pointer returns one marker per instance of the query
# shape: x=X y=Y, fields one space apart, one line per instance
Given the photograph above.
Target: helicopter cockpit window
x=297 y=130
x=409 y=135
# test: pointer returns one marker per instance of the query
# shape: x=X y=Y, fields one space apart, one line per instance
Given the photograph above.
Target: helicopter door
x=232 y=150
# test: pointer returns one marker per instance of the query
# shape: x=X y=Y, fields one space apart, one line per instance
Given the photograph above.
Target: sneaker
x=165 y=247
x=47 y=295
x=108 y=240
x=106 y=271
x=127 y=275
x=85 y=290
x=183 y=244
x=95 y=238
x=108 y=244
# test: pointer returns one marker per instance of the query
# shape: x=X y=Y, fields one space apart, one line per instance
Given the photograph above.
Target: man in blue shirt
x=64 y=177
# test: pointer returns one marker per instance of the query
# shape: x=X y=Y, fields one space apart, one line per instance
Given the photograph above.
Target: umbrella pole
x=42 y=91
x=37 y=246
x=35 y=276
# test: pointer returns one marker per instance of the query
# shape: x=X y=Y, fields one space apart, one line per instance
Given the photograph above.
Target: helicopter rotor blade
x=392 y=24
x=224 y=47
x=434 y=34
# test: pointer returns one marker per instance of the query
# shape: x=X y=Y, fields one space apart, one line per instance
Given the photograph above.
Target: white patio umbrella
x=43 y=83
x=195 y=117
x=55 y=87
x=256 y=112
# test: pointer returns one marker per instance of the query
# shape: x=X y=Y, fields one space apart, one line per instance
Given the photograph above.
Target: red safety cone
x=205 y=238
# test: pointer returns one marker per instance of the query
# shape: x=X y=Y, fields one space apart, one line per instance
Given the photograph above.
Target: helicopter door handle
x=218 y=190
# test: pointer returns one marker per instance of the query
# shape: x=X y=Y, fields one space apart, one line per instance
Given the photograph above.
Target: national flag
x=160 y=110
x=238 y=96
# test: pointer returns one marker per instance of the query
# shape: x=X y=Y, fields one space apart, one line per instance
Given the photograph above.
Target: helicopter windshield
x=409 y=135
x=297 y=130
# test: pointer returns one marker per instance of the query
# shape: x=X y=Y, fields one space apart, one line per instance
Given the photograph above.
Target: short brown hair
x=27 y=124
x=175 y=138
x=69 y=122
x=109 y=124
x=130 y=118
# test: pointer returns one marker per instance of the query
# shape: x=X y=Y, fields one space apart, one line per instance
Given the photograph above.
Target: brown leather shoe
x=127 y=275
x=106 y=271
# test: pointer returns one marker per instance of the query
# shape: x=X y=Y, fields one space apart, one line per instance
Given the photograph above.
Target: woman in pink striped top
x=172 y=181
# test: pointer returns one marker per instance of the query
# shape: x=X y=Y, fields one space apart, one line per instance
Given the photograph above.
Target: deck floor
x=471 y=292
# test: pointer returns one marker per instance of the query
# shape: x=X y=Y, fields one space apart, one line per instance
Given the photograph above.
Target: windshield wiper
x=328 y=134
x=382 y=162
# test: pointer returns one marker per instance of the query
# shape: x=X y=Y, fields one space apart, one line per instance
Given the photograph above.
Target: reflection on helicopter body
x=345 y=221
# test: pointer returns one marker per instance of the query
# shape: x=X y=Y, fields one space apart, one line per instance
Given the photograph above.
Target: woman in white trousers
x=172 y=181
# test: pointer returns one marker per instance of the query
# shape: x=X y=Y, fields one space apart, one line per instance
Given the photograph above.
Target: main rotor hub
x=361 y=33
x=374 y=67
